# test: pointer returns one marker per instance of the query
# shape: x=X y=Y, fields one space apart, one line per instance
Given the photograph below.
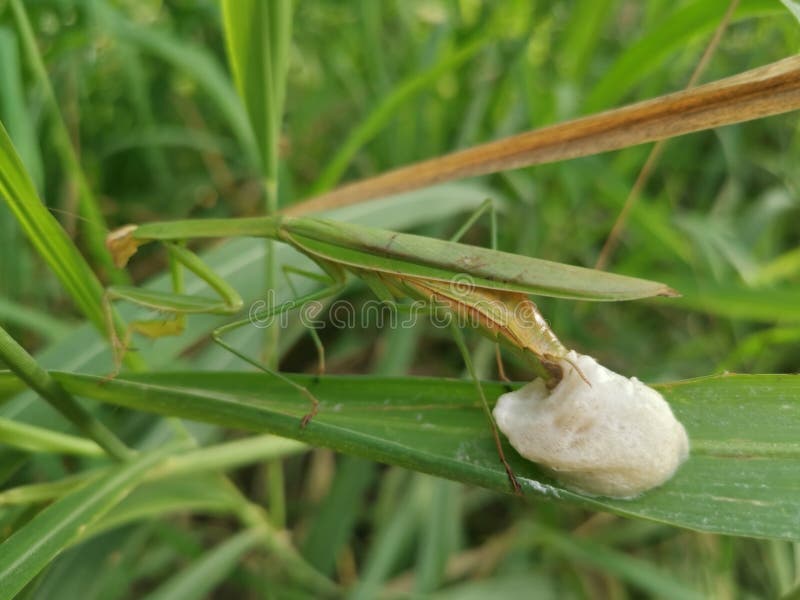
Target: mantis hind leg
x=336 y=281
x=462 y=346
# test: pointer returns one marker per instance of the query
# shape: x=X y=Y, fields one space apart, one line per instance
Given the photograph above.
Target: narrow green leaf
x=673 y=33
x=52 y=243
x=257 y=36
x=94 y=222
x=28 y=370
x=32 y=547
x=386 y=109
x=740 y=479
x=37 y=439
x=34 y=320
x=336 y=516
x=14 y=109
x=47 y=236
x=639 y=573
x=192 y=60
x=200 y=578
x=768 y=305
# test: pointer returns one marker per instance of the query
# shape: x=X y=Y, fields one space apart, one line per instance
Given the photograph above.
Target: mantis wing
x=405 y=254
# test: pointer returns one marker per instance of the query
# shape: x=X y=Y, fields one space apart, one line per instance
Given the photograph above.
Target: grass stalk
x=27 y=369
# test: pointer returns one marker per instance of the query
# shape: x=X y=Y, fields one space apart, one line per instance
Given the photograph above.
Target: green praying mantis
x=481 y=285
x=398 y=266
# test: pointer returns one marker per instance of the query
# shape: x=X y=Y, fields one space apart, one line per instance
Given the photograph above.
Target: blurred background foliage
x=152 y=114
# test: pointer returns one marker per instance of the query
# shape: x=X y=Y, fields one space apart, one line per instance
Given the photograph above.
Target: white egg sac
x=616 y=437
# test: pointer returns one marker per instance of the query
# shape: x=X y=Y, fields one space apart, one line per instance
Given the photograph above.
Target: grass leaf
x=47 y=236
x=33 y=546
x=740 y=479
x=257 y=36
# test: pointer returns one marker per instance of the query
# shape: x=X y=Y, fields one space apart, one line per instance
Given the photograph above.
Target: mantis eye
x=616 y=437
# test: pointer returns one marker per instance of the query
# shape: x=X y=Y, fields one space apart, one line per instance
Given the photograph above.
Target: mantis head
x=122 y=244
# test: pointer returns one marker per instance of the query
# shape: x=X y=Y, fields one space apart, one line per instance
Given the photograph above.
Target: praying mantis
x=482 y=285
x=399 y=266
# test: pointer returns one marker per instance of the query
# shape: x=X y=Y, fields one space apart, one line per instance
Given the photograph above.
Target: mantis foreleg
x=176 y=302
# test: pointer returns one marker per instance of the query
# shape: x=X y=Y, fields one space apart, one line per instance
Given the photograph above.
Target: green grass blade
x=673 y=34
x=14 y=108
x=94 y=222
x=437 y=426
x=192 y=463
x=51 y=242
x=386 y=109
x=257 y=36
x=200 y=578
x=639 y=573
x=37 y=439
x=336 y=516
x=735 y=301
x=192 y=60
x=33 y=546
x=28 y=370
x=47 y=236
x=32 y=319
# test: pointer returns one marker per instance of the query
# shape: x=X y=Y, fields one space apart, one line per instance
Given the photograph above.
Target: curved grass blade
x=95 y=226
x=32 y=547
x=191 y=60
x=39 y=380
x=38 y=439
x=47 y=236
x=740 y=480
x=52 y=243
x=200 y=578
x=768 y=90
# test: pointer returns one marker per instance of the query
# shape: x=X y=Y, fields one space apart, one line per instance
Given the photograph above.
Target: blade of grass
x=33 y=546
x=200 y=578
x=437 y=426
x=37 y=439
x=94 y=222
x=337 y=514
x=34 y=320
x=257 y=36
x=734 y=301
x=640 y=59
x=191 y=59
x=52 y=243
x=14 y=108
x=385 y=110
x=767 y=90
x=28 y=370
x=637 y=572
x=216 y=458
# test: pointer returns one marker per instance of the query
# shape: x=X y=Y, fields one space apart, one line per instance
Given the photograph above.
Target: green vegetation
x=189 y=476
